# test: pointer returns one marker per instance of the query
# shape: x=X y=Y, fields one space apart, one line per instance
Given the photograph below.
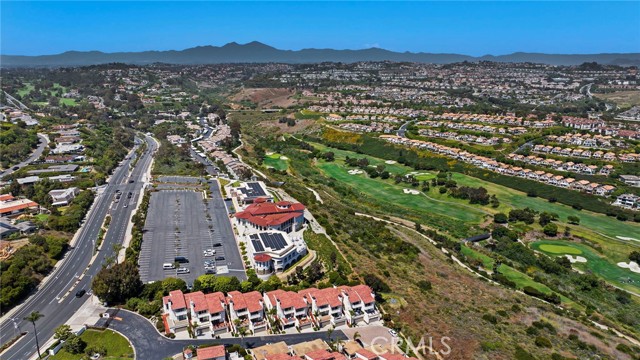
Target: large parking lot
x=180 y=223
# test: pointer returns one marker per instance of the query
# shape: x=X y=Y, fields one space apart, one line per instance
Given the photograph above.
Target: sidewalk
x=88 y=314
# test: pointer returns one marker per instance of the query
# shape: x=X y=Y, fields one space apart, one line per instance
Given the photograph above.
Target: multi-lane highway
x=56 y=299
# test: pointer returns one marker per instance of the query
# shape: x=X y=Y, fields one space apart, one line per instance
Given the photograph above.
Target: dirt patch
x=622 y=98
x=267 y=98
x=283 y=128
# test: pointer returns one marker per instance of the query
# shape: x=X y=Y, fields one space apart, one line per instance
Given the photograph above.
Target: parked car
x=181 y=259
x=393 y=333
x=219 y=258
x=183 y=271
x=217 y=244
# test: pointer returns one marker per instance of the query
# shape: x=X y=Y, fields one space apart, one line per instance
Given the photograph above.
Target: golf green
x=596 y=263
x=560 y=249
x=276 y=161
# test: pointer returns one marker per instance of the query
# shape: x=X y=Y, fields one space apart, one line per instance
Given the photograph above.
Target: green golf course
x=276 y=161
x=595 y=264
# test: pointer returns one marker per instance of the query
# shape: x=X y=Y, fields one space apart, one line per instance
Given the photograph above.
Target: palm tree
x=33 y=317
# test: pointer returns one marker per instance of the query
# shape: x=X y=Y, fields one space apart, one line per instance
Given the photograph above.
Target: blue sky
x=474 y=28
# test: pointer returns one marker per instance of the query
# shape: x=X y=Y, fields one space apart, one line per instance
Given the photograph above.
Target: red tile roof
x=270 y=214
x=215 y=302
x=211 y=352
x=287 y=299
x=281 y=357
x=177 y=300
x=24 y=205
x=6 y=197
x=262 y=257
x=251 y=301
x=329 y=296
x=323 y=354
x=367 y=354
x=358 y=292
x=196 y=301
x=395 y=356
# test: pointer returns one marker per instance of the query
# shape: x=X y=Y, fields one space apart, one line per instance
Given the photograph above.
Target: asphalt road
x=224 y=232
x=34 y=156
x=56 y=298
x=150 y=345
x=208 y=164
x=403 y=129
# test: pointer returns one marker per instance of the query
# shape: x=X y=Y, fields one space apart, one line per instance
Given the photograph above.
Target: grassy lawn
x=118 y=347
x=521 y=280
x=26 y=89
x=510 y=198
x=42 y=217
x=598 y=228
x=487 y=262
x=386 y=191
x=68 y=102
x=559 y=249
x=323 y=247
x=596 y=264
x=275 y=161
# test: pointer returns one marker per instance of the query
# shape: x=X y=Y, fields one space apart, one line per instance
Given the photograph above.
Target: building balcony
x=259 y=326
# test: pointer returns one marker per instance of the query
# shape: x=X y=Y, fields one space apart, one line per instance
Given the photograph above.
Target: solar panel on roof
x=256 y=189
x=274 y=241
x=257 y=245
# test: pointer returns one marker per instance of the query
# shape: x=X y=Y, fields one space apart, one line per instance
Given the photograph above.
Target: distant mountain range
x=256 y=52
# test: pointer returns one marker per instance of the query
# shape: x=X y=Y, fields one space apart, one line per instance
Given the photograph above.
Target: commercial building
x=283 y=216
x=10 y=206
x=275 y=251
x=248 y=192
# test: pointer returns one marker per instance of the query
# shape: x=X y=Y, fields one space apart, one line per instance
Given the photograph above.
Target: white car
x=393 y=333
x=183 y=271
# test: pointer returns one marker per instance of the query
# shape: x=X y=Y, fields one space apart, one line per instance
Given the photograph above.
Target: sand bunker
x=576 y=259
x=411 y=191
x=284 y=157
x=355 y=172
x=268 y=153
x=627 y=238
x=632 y=265
x=390 y=162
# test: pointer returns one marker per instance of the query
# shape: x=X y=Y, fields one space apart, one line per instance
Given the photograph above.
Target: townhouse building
x=175 y=312
x=247 y=310
x=359 y=304
x=326 y=306
x=291 y=308
x=207 y=313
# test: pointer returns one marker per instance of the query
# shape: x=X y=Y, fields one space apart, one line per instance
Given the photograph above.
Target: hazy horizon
x=471 y=28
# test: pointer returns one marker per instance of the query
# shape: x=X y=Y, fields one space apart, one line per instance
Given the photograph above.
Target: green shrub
x=543 y=342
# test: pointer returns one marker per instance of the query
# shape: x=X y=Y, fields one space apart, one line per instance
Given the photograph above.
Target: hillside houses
x=373 y=127
x=463 y=137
